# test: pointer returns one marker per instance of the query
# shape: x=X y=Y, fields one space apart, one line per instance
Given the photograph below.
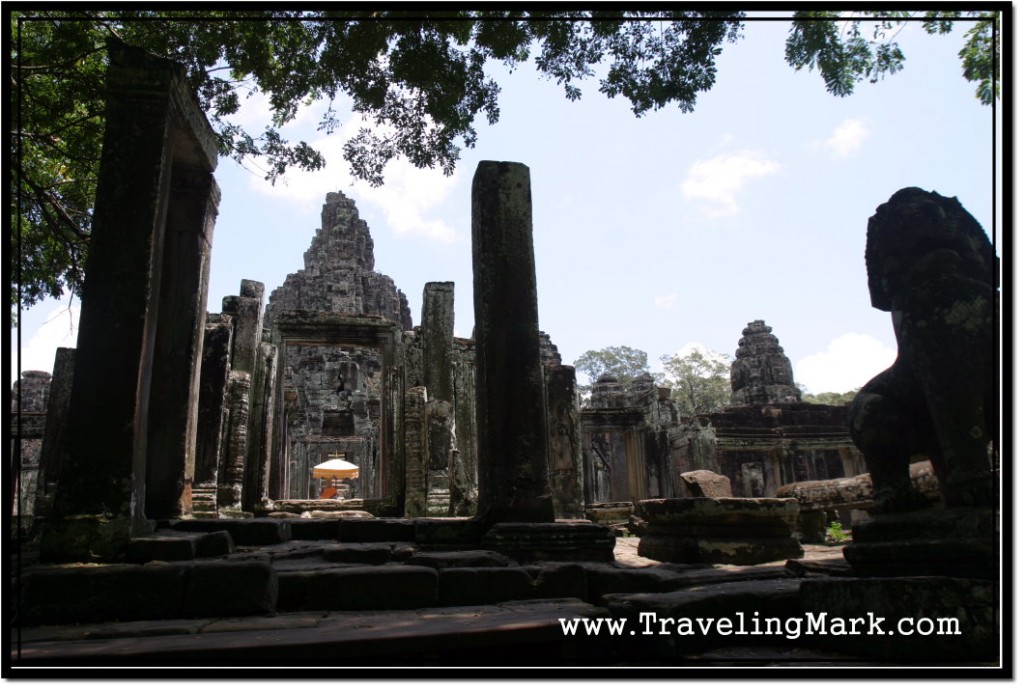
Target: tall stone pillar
x=438 y=324
x=566 y=452
x=213 y=413
x=246 y=311
x=416 y=452
x=56 y=427
x=261 y=428
x=179 y=342
x=512 y=422
x=438 y=328
x=155 y=135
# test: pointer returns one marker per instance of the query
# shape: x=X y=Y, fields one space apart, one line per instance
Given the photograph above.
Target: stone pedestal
x=511 y=413
x=708 y=530
x=559 y=541
x=931 y=542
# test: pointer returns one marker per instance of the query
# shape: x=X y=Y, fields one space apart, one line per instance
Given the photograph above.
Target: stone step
x=510 y=634
x=158 y=590
x=174 y=545
x=244 y=531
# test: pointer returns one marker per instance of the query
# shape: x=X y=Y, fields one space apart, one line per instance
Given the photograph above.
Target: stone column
x=512 y=422
x=152 y=125
x=416 y=452
x=438 y=328
x=179 y=341
x=566 y=452
x=57 y=407
x=246 y=310
x=213 y=388
x=231 y=475
x=261 y=428
x=438 y=325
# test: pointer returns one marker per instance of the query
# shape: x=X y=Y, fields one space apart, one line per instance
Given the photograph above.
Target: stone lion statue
x=931 y=265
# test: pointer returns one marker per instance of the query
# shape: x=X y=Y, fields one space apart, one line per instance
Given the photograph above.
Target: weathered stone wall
x=29 y=398
x=761 y=448
x=626 y=432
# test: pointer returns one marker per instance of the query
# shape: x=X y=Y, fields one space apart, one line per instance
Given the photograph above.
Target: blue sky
x=659 y=232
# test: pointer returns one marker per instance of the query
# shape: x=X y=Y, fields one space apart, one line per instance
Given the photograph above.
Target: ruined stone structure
x=169 y=590
x=767 y=438
x=359 y=382
x=637 y=446
x=625 y=431
x=143 y=308
x=335 y=385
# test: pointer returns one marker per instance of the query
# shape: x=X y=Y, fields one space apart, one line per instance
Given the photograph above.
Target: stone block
x=84 y=593
x=367 y=552
x=313 y=528
x=941 y=542
x=610 y=512
x=215 y=544
x=719 y=530
x=484 y=585
x=704 y=483
x=559 y=581
x=447 y=531
x=376 y=530
x=602 y=579
x=229 y=589
x=163 y=546
x=931 y=609
x=359 y=588
x=462 y=558
x=526 y=542
x=244 y=531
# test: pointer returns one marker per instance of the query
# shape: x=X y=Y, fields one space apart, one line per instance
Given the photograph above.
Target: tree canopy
x=699 y=380
x=420 y=79
x=622 y=362
x=831 y=397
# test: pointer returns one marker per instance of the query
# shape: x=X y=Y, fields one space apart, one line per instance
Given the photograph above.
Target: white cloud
x=717 y=181
x=666 y=302
x=60 y=330
x=846 y=364
x=693 y=346
x=847 y=138
x=407 y=199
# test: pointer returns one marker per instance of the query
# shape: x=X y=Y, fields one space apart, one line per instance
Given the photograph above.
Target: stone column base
x=932 y=542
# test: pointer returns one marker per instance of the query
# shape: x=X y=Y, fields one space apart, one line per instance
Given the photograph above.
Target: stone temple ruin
x=170 y=510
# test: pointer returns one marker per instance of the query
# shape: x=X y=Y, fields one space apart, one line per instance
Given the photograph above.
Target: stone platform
x=727 y=530
x=342 y=604
x=958 y=542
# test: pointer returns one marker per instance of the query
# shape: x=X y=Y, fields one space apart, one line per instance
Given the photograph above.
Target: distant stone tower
x=338 y=276
x=761 y=372
x=334 y=392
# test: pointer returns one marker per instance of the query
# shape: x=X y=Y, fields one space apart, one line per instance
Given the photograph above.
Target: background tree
x=699 y=381
x=623 y=362
x=830 y=397
x=419 y=79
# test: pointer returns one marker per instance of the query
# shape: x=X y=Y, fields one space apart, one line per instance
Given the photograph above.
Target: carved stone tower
x=761 y=373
